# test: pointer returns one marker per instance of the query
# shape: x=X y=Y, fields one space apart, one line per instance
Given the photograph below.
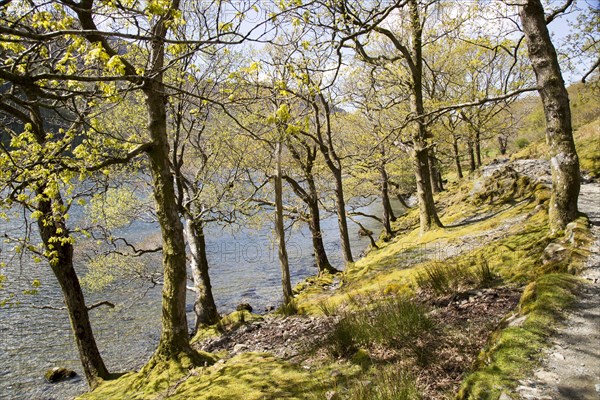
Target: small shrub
x=522 y=143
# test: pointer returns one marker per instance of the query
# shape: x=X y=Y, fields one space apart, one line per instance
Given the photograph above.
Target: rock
x=504 y=396
x=239 y=347
x=546 y=376
x=573 y=232
x=244 y=307
x=558 y=356
x=518 y=321
x=58 y=374
x=554 y=252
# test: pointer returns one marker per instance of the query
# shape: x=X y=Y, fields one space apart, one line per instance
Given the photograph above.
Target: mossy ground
x=487 y=241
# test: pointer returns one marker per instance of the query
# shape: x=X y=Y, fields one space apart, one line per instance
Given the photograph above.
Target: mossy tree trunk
x=174 y=339
x=564 y=161
x=204 y=304
x=427 y=213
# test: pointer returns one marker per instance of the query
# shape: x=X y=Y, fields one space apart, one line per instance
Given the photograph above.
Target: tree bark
x=457 y=157
x=280 y=230
x=564 y=161
x=470 y=150
x=427 y=213
x=58 y=244
x=436 y=184
x=174 y=339
x=204 y=304
x=321 y=259
x=502 y=144
x=478 y=148
x=385 y=198
x=341 y=216
x=57 y=241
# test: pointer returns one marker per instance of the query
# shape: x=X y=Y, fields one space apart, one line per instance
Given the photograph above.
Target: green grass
x=385 y=384
x=396 y=322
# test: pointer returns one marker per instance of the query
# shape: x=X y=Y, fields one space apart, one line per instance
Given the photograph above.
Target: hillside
x=460 y=312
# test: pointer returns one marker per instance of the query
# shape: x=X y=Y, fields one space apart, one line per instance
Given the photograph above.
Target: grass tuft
x=386 y=384
x=397 y=322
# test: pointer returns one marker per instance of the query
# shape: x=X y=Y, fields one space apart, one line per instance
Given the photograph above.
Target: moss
x=153 y=381
x=251 y=376
x=362 y=359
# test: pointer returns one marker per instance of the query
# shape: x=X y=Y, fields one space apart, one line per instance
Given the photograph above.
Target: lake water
x=244 y=268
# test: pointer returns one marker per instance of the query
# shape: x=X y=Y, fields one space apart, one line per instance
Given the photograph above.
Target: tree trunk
x=427 y=213
x=434 y=175
x=174 y=339
x=280 y=230
x=502 y=144
x=52 y=228
x=204 y=305
x=559 y=132
x=457 y=157
x=341 y=214
x=472 y=166
x=321 y=259
x=387 y=207
x=478 y=148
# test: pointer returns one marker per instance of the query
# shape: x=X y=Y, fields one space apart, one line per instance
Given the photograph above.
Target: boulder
x=554 y=253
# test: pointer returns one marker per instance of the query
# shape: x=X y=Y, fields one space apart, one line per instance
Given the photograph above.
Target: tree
x=564 y=161
x=357 y=27
x=38 y=156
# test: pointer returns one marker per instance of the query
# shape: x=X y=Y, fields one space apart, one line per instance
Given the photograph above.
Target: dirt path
x=571 y=368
